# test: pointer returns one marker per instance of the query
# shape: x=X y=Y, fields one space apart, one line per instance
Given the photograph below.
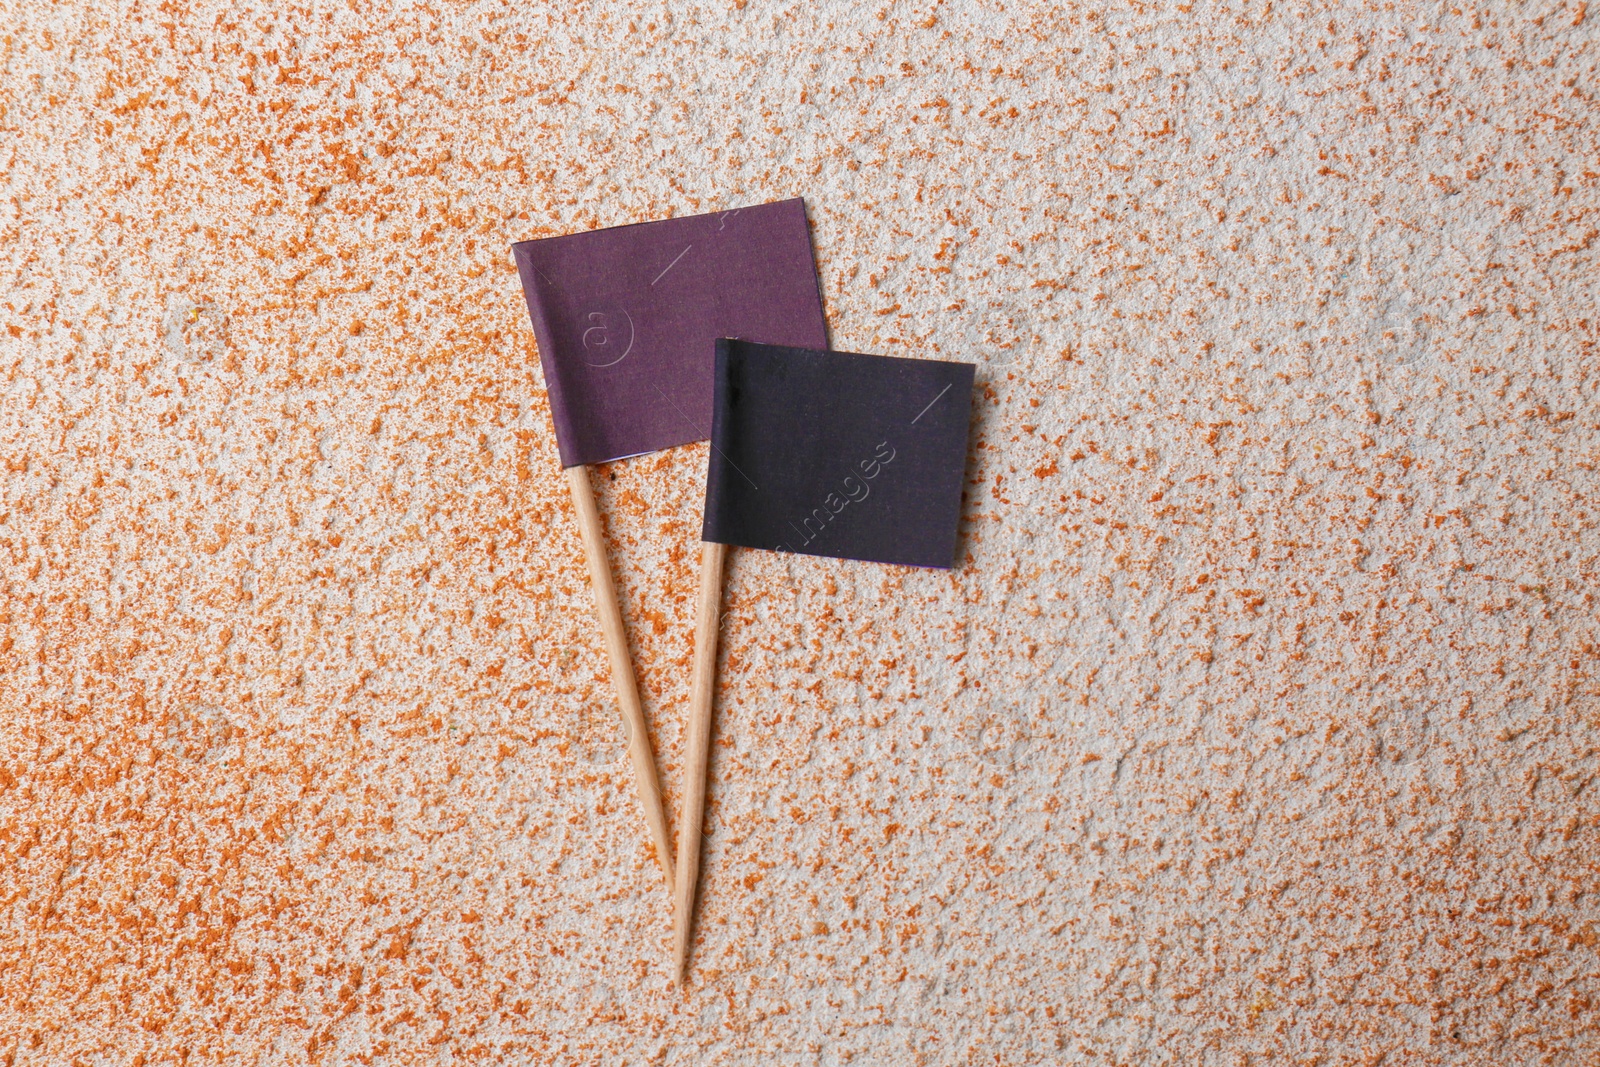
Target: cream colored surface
x=1257 y=724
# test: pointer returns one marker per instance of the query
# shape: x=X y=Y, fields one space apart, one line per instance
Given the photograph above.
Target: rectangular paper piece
x=837 y=454
x=626 y=318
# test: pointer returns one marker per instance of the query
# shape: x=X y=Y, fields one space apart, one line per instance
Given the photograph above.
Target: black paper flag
x=837 y=454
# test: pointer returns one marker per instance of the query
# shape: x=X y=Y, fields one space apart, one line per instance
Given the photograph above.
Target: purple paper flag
x=627 y=319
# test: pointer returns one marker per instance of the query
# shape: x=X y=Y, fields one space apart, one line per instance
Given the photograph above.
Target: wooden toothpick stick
x=622 y=680
x=702 y=688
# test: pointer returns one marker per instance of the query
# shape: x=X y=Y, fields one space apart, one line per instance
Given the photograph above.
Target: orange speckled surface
x=1257 y=725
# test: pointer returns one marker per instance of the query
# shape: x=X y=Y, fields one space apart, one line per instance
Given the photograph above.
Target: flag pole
x=622 y=679
x=702 y=690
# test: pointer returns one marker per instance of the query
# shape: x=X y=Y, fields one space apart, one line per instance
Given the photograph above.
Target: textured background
x=1259 y=721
